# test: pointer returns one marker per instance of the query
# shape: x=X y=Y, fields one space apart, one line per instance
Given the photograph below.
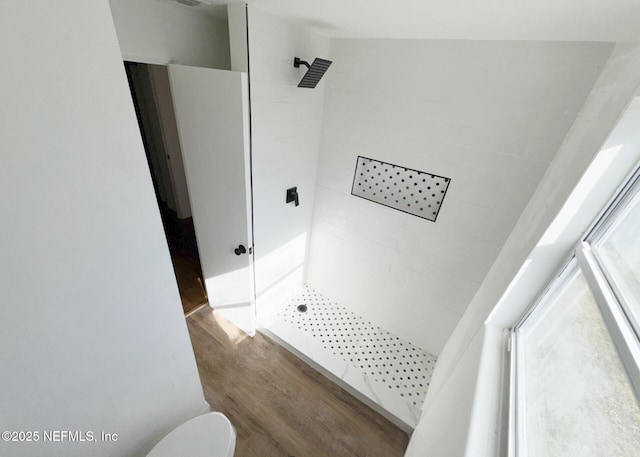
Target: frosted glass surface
x=619 y=248
x=577 y=399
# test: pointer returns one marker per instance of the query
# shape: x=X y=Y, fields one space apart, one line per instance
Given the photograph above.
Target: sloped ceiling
x=565 y=20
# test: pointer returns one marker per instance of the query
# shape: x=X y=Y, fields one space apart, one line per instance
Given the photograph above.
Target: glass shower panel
x=574 y=396
x=618 y=250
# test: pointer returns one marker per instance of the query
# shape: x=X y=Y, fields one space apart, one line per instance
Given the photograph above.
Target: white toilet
x=210 y=435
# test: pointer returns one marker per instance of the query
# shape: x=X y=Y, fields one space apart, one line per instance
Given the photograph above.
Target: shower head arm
x=297 y=62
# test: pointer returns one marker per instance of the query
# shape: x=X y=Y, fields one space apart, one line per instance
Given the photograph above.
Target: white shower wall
x=286 y=122
x=488 y=115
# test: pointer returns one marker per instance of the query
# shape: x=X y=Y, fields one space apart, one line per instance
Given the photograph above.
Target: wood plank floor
x=280 y=406
x=181 y=238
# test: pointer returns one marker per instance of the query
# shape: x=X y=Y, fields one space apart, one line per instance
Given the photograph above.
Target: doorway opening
x=154 y=110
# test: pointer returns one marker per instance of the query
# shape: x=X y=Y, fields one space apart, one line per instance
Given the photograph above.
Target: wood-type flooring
x=181 y=238
x=279 y=405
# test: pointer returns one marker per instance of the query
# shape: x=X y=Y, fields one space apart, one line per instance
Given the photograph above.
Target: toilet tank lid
x=209 y=435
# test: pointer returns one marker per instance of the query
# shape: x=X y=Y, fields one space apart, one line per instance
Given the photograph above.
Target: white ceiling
x=564 y=20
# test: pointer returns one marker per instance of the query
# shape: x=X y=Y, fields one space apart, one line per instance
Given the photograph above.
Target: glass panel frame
x=627 y=201
x=623 y=339
x=612 y=301
x=618 y=324
x=585 y=347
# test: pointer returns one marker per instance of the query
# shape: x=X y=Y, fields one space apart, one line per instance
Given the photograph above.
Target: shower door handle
x=240 y=250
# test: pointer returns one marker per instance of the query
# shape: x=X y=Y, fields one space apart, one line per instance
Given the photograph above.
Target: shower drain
x=386 y=358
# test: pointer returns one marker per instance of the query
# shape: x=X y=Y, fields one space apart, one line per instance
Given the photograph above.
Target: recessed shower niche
x=405 y=189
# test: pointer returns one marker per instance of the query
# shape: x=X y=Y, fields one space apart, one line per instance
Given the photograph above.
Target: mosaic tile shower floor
x=404 y=369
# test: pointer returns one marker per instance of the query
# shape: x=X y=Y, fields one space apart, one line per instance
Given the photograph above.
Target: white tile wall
x=461 y=367
x=489 y=115
x=286 y=124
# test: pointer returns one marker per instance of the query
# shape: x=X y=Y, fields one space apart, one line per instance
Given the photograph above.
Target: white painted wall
x=92 y=336
x=164 y=31
x=286 y=122
x=488 y=115
x=460 y=369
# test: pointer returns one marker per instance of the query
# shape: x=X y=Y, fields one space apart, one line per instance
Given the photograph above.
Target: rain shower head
x=314 y=73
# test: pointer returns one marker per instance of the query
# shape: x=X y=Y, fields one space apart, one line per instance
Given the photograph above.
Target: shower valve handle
x=292 y=196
